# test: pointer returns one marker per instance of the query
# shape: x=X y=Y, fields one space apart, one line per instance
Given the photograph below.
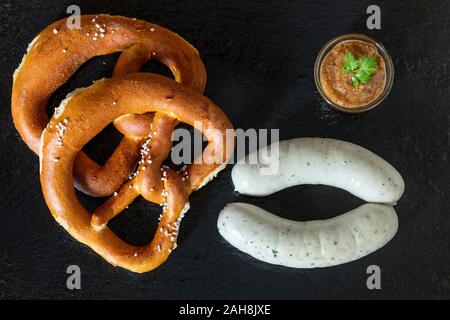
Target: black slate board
x=259 y=57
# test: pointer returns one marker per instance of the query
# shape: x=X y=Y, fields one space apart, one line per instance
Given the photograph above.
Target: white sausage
x=322 y=161
x=310 y=244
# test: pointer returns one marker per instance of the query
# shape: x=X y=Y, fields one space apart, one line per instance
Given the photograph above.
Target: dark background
x=259 y=56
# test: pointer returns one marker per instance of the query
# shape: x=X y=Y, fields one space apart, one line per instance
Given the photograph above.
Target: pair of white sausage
x=318 y=243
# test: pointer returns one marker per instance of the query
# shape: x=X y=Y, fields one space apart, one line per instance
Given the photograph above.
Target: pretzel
x=106 y=100
x=57 y=52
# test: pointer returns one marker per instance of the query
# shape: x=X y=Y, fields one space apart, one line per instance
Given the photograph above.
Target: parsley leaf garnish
x=361 y=69
x=350 y=63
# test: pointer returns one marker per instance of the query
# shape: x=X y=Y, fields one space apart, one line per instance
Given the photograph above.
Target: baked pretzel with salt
x=108 y=99
x=57 y=52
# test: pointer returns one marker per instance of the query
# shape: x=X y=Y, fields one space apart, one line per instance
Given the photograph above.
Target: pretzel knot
x=57 y=52
x=85 y=114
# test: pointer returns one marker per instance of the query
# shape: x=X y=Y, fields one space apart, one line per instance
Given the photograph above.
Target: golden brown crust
x=67 y=133
x=131 y=60
x=56 y=55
